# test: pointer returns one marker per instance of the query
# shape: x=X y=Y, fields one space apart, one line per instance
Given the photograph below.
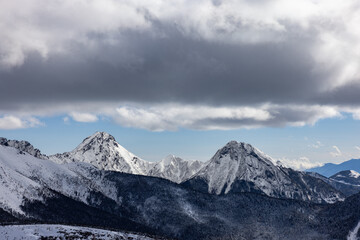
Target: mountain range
x=239 y=193
x=102 y=151
x=330 y=169
x=236 y=167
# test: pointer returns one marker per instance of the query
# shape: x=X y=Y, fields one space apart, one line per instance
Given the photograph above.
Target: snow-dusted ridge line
x=102 y=151
x=237 y=167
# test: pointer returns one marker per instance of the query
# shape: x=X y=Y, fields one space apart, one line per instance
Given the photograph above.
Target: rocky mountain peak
x=98 y=138
x=234 y=145
x=23 y=146
x=99 y=142
x=238 y=151
x=240 y=167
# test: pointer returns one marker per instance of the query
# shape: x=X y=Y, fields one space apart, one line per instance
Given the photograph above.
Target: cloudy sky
x=184 y=77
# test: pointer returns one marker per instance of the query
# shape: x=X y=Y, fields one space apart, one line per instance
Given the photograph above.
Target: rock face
x=239 y=167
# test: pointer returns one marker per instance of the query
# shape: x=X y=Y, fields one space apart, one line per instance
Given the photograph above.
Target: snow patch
x=354 y=174
x=353 y=234
x=40 y=231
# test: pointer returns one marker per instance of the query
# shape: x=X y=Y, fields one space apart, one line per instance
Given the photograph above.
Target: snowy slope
x=24 y=177
x=239 y=167
x=175 y=169
x=15 y=187
x=354 y=233
x=42 y=231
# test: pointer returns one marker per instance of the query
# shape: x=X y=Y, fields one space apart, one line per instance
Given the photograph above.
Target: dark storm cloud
x=174 y=68
x=235 y=54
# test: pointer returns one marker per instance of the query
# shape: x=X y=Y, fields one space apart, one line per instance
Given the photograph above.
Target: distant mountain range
x=238 y=194
x=330 y=169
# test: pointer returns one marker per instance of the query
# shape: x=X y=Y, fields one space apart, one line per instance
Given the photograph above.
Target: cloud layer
x=161 y=65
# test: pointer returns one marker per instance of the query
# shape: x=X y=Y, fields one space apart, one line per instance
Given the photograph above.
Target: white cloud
x=337 y=152
x=357 y=147
x=302 y=163
x=66 y=120
x=174 y=116
x=171 y=117
x=317 y=145
x=355 y=114
x=83 y=117
x=160 y=117
x=9 y=122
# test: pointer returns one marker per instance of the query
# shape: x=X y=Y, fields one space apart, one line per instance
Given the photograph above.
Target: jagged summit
x=101 y=136
x=240 y=161
x=234 y=149
x=102 y=150
x=97 y=138
x=24 y=146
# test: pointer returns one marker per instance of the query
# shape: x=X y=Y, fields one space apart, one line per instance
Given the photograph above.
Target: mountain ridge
x=330 y=169
x=104 y=152
x=151 y=204
x=236 y=167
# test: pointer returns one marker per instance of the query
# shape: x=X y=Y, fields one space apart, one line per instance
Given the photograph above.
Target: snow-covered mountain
x=15 y=187
x=350 y=177
x=239 y=167
x=78 y=193
x=175 y=169
x=338 y=182
x=330 y=169
x=102 y=151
